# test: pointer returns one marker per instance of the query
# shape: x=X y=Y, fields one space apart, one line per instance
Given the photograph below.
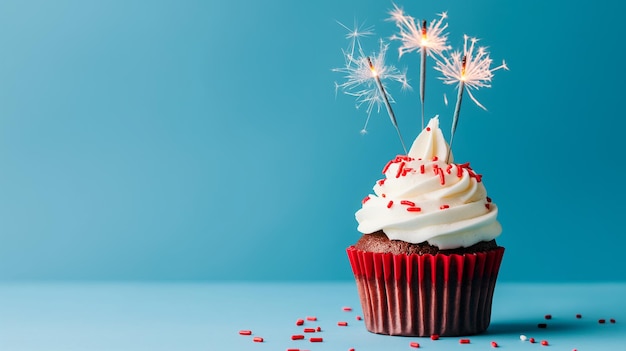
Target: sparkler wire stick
x=457 y=108
x=392 y=116
x=423 y=72
x=455 y=119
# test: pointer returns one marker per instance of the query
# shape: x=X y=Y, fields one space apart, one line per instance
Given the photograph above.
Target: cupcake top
x=424 y=198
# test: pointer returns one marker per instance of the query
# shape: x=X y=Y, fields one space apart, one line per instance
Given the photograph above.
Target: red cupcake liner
x=422 y=295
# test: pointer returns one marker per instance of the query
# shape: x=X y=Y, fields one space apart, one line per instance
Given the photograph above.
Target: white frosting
x=423 y=198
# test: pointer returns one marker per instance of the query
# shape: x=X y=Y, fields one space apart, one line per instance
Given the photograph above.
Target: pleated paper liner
x=422 y=295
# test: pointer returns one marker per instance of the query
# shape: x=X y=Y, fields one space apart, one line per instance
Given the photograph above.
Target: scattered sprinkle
x=390 y=203
x=318 y=329
x=544 y=342
x=601 y=321
x=309 y=330
x=542 y=325
x=612 y=320
x=579 y=316
x=342 y=324
x=414 y=344
x=293 y=349
x=443 y=207
x=245 y=332
x=464 y=341
x=407 y=202
x=414 y=209
x=532 y=340
x=311 y=318
x=494 y=344
x=434 y=337
x=548 y=316
x=347 y=309
x=358 y=318
x=316 y=339
x=257 y=339
x=300 y=322
x=297 y=337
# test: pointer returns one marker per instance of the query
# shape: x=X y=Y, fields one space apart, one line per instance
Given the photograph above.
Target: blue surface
x=151 y=140
x=209 y=317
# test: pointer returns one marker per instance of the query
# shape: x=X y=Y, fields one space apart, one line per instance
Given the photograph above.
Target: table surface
x=182 y=316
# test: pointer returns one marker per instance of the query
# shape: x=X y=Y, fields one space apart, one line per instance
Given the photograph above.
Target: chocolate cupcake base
x=426 y=294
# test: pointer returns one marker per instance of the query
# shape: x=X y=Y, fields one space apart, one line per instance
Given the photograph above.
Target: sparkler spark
x=474 y=74
x=423 y=37
x=470 y=69
x=365 y=78
x=354 y=34
x=429 y=40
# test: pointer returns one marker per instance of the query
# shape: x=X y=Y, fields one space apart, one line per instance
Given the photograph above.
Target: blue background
x=202 y=140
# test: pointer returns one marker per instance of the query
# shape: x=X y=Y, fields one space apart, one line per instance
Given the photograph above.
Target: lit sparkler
x=470 y=69
x=428 y=39
x=365 y=79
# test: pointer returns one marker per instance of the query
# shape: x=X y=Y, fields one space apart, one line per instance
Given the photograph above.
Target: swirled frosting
x=424 y=198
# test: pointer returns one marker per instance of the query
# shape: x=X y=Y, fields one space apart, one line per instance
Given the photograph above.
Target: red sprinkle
x=300 y=322
x=531 y=340
x=342 y=324
x=489 y=200
x=347 y=309
x=448 y=169
x=316 y=339
x=422 y=169
x=547 y=316
x=309 y=330
x=579 y=316
x=383 y=195
x=459 y=171
x=297 y=337
x=389 y=204
x=358 y=318
x=293 y=349
x=414 y=344
x=464 y=341
x=443 y=207
x=245 y=332
x=494 y=344
x=351 y=350
x=407 y=202
x=319 y=329
x=428 y=129
x=542 y=325
x=487 y=206
x=257 y=339
x=434 y=337
x=544 y=342
x=311 y=318
x=365 y=199
x=413 y=209
x=601 y=321
x=612 y=320
x=387 y=166
x=381 y=181
x=400 y=170
x=435 y=158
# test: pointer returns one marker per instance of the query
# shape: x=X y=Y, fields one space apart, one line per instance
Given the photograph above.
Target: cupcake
x=427 y=261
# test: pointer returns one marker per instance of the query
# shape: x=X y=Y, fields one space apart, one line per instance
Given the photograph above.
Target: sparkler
x=365 y=79
x=424 y=38
x=470 y=70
